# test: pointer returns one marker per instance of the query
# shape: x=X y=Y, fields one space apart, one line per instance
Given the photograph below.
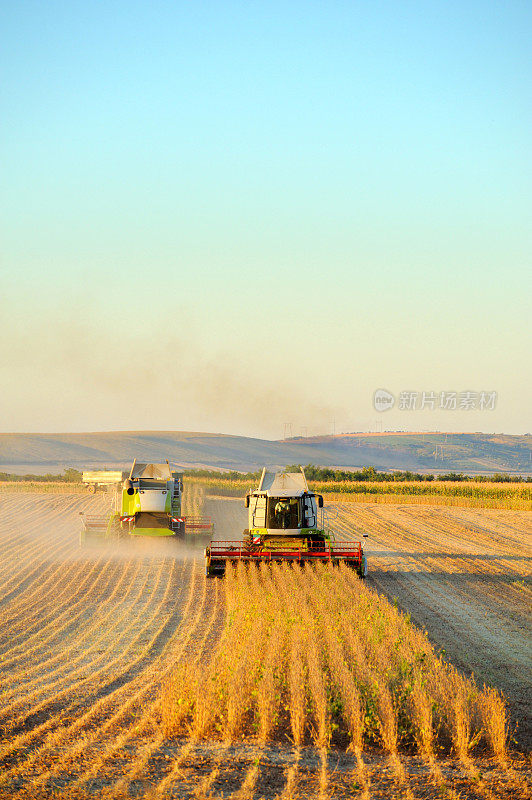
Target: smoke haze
x=156 y=379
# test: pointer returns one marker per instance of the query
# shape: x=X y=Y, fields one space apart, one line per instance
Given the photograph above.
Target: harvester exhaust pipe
x=128 y=485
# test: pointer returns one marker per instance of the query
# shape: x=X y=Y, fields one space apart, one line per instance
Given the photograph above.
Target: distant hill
x=431 y=452
x=424 y=452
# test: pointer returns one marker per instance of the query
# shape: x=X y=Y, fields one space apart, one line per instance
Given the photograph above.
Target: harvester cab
x=149 y=503
x=282 y=513
x=286 y=522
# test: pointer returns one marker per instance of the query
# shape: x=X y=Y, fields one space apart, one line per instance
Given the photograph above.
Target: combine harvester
x=286 y=523
x=146 y=502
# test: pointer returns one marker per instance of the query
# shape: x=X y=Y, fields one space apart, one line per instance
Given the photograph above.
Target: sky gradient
x=229 y=215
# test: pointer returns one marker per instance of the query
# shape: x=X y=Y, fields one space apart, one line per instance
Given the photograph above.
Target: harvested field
x=464 y=576
x=91 y=640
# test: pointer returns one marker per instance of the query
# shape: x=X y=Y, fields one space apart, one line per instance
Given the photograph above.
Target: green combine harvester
x=286 y=524
x=146 y=502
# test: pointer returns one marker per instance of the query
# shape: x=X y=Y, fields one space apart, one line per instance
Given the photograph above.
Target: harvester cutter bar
x=95 y=522
x=235 y=551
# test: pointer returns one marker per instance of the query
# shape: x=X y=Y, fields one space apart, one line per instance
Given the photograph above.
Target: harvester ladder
x=176 y=498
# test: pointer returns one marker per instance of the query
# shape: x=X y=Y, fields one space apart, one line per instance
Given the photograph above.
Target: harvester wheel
x=214 y=570
x=119 y=533
x=363 y=569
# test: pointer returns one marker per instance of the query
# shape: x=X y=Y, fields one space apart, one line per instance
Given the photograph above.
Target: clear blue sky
x=227 y=215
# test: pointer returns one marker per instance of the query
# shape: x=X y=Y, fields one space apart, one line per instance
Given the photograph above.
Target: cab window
x=283 y=513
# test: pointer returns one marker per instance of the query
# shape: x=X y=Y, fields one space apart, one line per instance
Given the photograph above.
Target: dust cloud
x=149 y=377
x=148 y=547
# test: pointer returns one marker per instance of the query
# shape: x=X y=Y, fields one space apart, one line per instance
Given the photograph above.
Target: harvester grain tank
x=146 y=502
x=287 y=522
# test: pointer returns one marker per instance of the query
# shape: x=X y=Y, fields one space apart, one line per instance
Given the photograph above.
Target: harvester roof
x=283 y=484
x=160 y=472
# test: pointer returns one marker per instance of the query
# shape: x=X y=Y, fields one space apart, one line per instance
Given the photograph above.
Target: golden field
x=126 y=673
x=469 y=494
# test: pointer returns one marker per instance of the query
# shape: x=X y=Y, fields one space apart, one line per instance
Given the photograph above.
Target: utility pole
x=438 y=452
x=287 y=432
